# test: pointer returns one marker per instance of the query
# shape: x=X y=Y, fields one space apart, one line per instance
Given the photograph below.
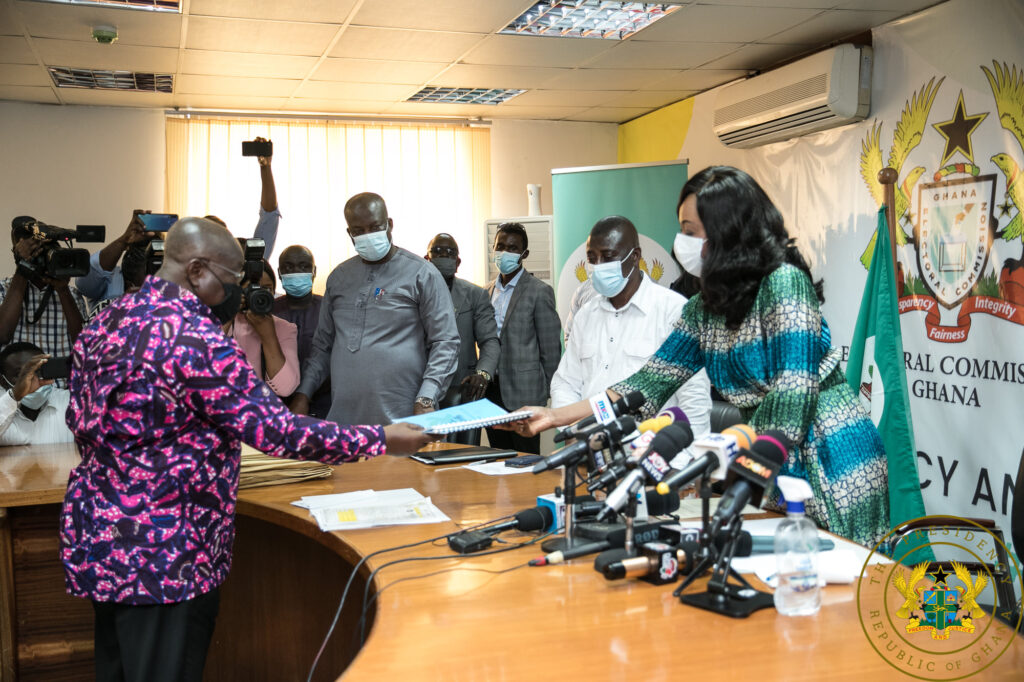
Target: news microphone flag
x=875 y=371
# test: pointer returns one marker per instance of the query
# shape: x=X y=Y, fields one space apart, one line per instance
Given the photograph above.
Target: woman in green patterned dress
x=757 y=328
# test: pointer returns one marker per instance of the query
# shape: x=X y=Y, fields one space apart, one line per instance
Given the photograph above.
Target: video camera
x=57 y=259
x=257 y=299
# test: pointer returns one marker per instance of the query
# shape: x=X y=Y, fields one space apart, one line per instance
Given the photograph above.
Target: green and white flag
x=876 y=372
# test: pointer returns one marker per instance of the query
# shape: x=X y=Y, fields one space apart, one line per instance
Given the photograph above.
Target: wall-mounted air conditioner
x=829 y=89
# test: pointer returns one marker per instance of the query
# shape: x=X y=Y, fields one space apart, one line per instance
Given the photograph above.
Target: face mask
x=372 y=246
x=226 y=310
x=445 y=265
x=688 y=250
x=38 y=398
x=297 y=284
x=506 y=261
x=608 y=279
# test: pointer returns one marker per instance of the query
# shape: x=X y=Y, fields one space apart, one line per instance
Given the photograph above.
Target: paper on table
x=496 y=469
x=690 y=508
x=313 y=501
x=354 y=517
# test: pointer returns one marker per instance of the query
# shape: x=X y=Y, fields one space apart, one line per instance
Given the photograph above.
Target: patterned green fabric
x=780 y=370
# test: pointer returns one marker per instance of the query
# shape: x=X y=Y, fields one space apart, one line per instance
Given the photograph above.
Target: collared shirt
x=161 y=401
x=100 y=285
x=50 y=333
x=608 y=345
x=305 y=320
x=502 y=296
x=48 y=427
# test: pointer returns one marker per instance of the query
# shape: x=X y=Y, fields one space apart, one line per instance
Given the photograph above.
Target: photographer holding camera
x=37 y=307
x=270 y=344
x=31 y=408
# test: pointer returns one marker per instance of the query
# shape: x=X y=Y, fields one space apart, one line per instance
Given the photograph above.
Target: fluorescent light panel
x=488 y=96
x=148 y=5
x=95 y=79
x=589 y=18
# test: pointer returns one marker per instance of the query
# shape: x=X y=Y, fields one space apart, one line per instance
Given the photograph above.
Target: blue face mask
x=372 y=246
x=506 y=261
x=297 y=284
x=38 y=398
x=608 y=278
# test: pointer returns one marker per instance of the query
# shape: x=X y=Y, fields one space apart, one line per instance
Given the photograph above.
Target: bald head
x=366 y=208
x=202 y=238
x=445 y=241
x=616 y=229
x=295 y=258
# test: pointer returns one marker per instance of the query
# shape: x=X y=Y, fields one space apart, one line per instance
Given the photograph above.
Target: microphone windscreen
x=773 y=445
x=744 y=435
x=660 y=505
x=633 y=400
x=674 y=437
x=537 y=518
x=609 y=556
x=675 y=413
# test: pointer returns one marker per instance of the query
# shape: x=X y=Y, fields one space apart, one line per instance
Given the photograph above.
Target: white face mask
x=688 y=251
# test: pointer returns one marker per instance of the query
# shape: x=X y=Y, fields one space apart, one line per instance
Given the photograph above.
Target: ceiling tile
x=92 y=55
x=510 y=110
x=336 y=106
x=800 y=4
x=638 y=55
x=650 y=99
x=24 y=74
x=386 y=43
x=697 y=79
x=317 y=11
x=439 y=109
x=536 y=51
x=579 y=98
x=248 y=64
x=377 y=71
x=114 y=98
x=717 y=24
x=903 y=6
x=478 y=76
x=10 y=22
x=832 y=25
x=265 y=37
x=354 y=91
x=609 y=114
x=28 y=94
x=197 y=101
x=15 y=50
x=156 y=29
x=441 y=15
x=218 y=85
x=612 y=79
x=757 y=57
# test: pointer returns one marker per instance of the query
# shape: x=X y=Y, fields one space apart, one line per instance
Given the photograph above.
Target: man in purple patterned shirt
x=161 y=400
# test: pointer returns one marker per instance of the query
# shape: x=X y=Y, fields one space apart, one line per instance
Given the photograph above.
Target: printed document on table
x=404 y=506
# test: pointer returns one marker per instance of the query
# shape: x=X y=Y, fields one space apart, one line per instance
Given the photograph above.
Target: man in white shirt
x=31 y=409
x=618 y=330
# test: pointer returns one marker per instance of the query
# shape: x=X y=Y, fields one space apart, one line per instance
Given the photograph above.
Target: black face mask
x=446 y=266
x=226 y=310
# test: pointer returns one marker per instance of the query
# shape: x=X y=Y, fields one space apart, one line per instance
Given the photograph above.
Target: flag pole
x=888 y=177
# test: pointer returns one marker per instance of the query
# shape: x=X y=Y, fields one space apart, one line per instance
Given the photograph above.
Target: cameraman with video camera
x=31 y=408
x=37 y=306
x=270 y=344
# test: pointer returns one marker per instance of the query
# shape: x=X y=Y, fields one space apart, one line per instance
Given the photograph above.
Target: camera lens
x=259 y=300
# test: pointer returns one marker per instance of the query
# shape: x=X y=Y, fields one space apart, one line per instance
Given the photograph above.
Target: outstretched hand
x=543 y=419
x=406 y=439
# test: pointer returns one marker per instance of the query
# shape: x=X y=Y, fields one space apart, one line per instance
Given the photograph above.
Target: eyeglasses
x=236 y=275
x=444 y=251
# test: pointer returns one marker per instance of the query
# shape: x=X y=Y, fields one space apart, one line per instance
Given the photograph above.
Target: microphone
x=719 y=450
x=616 y=469
x=665 y=446
x=662 y=419
x=657 y=505
x=527 y=520
x=625 y=404
x=659 y=563
x=615 y=538
x=601 y=437
x=755 y=470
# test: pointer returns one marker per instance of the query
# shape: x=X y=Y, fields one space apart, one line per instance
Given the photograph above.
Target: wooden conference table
x=454 y=619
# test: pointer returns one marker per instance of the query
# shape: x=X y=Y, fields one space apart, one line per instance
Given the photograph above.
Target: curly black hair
x=747 y=240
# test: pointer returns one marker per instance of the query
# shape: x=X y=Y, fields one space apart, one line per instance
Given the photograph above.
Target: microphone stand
x=734 y=599
x=705 y=555
x=566 y=540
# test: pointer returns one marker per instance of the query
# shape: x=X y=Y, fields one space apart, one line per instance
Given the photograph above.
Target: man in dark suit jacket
x=530 y=334
x=474 y=318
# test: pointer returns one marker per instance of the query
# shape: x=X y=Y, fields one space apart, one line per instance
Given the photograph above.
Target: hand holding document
x=475 y=415
x=371 y=508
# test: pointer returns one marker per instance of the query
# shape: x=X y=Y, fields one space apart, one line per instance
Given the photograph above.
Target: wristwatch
x=485 y=375
x=423 y=401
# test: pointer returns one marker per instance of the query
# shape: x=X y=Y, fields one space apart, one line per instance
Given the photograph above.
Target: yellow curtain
x=434 y=179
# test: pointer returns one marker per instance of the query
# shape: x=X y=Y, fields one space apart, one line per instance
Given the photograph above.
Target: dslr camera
x=255 y=298
x=57 y=259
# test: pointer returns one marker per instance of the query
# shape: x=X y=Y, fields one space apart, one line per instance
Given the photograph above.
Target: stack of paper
x=258 y=470
x=371 y=508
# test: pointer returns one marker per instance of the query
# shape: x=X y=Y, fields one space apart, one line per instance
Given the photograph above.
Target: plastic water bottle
x=796 y=553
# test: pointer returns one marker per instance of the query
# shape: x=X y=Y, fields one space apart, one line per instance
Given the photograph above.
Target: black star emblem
x=1005 y=207
x=957 y=131
x=941 y=575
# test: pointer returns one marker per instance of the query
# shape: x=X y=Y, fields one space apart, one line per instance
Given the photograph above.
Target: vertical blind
x=434 y=178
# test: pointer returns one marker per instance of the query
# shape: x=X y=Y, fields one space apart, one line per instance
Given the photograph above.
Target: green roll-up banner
x=644 y=193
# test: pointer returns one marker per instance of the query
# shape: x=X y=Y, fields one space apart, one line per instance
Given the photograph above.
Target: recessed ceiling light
x=489 y=96
x=149 y=5
x=95 y=79
x=589 y=18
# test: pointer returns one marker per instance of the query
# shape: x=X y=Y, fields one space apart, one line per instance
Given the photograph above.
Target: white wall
x=78 y=165
x=524 y=152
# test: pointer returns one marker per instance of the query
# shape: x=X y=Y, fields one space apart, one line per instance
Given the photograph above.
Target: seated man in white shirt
x=615 y=332
x=31 y=409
